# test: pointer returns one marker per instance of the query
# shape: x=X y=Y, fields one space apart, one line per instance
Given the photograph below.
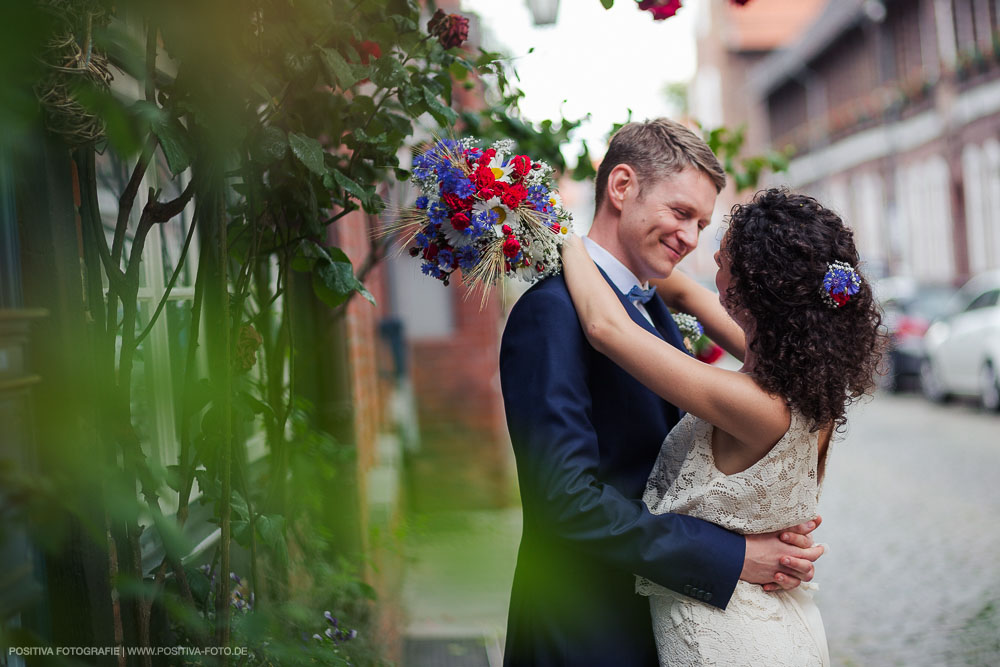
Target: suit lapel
x=665 y=328
x=665 y=323
x=633 y=312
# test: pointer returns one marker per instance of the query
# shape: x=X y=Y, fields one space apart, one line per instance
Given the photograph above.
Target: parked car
x=908 y=308
x=962 y=350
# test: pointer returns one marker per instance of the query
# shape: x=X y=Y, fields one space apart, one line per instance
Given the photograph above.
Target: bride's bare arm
x=730 y=400
x=683 y=293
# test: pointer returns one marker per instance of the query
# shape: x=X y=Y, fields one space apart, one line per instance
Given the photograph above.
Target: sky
x=596 y=61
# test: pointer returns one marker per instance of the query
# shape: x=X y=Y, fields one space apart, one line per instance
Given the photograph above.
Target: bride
x=750 y=453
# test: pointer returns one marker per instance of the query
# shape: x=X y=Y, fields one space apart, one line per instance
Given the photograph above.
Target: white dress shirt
x=620 y=275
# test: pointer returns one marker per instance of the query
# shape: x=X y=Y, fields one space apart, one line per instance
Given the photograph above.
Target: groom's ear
x=621 y=180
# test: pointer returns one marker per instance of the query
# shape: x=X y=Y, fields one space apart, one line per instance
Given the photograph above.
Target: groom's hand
x=783 y=559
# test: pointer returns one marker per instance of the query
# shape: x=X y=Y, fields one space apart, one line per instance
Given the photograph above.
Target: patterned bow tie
x=638 y=295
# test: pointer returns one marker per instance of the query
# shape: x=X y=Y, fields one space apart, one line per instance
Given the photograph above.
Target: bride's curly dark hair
x=820 y=359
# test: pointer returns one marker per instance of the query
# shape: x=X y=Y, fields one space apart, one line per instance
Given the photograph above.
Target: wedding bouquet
x=488 y=212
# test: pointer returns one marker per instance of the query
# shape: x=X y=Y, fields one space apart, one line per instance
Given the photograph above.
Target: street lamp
x=543 y=11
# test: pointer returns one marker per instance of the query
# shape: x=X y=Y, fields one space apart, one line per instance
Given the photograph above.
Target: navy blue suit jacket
x=585 y=437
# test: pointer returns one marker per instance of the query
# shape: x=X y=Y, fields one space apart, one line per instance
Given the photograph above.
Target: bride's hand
x=781 y=560
x=572 y=243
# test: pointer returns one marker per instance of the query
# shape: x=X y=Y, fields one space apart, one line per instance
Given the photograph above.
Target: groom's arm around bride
x=585 y=436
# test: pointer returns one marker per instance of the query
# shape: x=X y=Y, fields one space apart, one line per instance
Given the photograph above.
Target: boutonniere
x=690 y=328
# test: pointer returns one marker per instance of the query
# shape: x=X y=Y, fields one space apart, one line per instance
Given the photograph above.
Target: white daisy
x=456 y=238
x=555 y=200
x=504 y=214
x=526 y=273
x=500 y=171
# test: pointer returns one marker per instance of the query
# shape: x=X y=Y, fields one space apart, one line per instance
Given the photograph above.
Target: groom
x=586 y=434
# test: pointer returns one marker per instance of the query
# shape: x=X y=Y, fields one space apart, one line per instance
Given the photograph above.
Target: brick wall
x=460 y=409
x=370 y=391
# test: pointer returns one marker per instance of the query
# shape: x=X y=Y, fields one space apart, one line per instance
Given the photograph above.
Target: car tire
x=989 y=387
x=930 y=383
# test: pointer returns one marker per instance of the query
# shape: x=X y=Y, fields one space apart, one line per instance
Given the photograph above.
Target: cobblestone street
x=910 y=512
x=912 y=578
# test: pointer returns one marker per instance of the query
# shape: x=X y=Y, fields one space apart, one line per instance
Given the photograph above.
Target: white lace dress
x=782 y=489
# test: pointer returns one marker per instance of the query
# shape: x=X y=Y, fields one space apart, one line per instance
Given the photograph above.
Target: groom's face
x=660 y=226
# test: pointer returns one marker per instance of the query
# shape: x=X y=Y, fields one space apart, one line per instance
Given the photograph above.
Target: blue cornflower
x=455 y=181
x=486 y=219
x=477 y=226
x=423 y=240
x=421 y=202
x=841 y=279
x=424 y=173
x=447 y=146
x=538 y=195
x=431 y=269
x=422 y=162
x=468 y=257
x=445 y=258
x=840 y=283
x=437 y=212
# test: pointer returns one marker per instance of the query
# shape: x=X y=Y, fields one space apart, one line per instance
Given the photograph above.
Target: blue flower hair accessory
x=840 y=283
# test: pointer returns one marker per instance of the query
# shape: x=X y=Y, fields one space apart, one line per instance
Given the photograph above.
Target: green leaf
x=366 y=590
x=608 y=4
x=240 y=531
x=239 y=506
x=262 y=91
x=308 y=151
x=271 y=528
x=343 y=73
x=257 y=406
x=333 y=282
x=442 y=114
x=272 y=143
x=459 y=69
x=390 y=73
x=175 y=144
x=402 y=23
x=362 y=105
x=333 y=276
x=350 y=186
x=410 y=96
x=174 y=541
x=207 y=484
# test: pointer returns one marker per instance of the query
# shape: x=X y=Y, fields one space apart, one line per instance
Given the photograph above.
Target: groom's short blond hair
x=655 y=149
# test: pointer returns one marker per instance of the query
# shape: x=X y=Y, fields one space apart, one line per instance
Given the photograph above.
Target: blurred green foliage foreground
x=244 y=129
x=270 y=120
